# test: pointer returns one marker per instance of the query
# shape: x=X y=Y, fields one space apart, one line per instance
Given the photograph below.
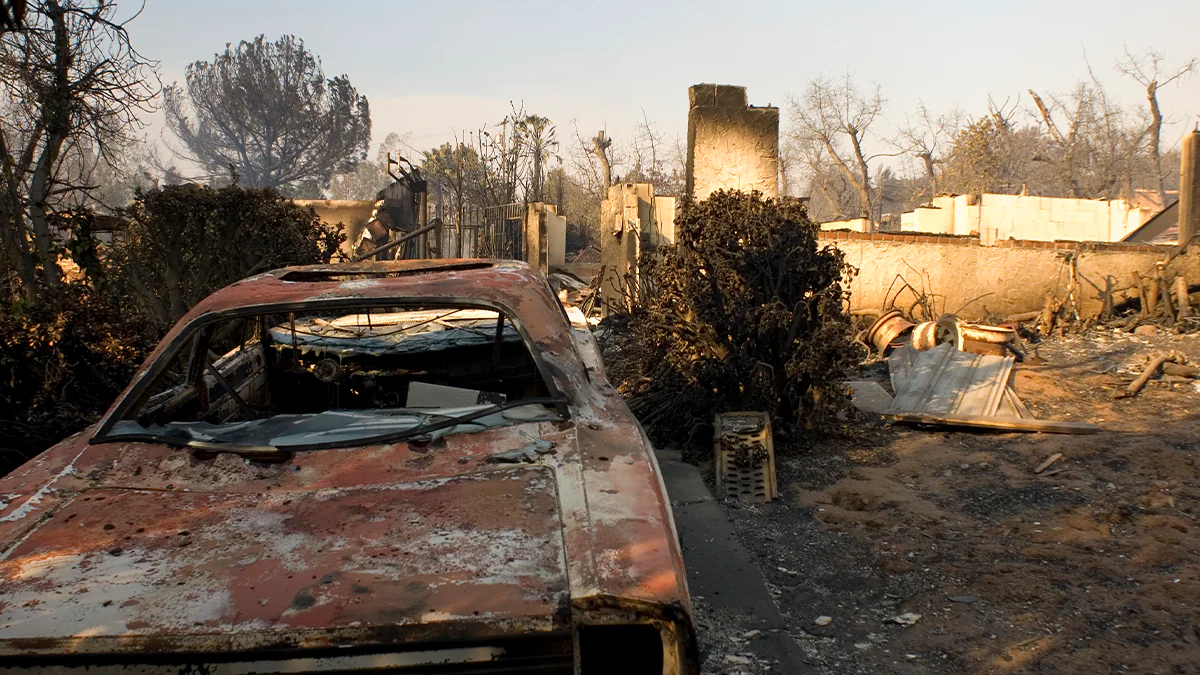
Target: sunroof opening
x=352 y=274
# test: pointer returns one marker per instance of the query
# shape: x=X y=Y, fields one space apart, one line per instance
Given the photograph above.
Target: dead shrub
x=746 y=312
x=66 y=356
x=184 y=242
x=63 y=360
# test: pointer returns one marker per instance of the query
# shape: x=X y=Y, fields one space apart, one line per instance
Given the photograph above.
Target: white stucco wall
x=1028 y=217
x=853 y=224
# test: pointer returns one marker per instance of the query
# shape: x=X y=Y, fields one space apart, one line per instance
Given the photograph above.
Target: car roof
x=494 y=280
x=515 y=287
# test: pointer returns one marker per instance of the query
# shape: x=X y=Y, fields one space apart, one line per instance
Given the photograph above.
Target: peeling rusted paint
x=121 y=546
x=117 y=562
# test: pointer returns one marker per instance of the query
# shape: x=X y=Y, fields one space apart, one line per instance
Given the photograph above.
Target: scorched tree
x=267 y=110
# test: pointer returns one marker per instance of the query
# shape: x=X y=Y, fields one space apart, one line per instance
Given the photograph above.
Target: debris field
x=942 y=550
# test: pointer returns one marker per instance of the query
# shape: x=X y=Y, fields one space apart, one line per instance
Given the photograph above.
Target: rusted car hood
x=126 y=560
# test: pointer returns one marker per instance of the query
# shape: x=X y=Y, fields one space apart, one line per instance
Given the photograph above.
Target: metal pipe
x=393 y=244
x=423 y=220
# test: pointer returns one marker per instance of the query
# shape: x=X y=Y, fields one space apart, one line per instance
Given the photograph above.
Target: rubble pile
x=951 y=372
x=1159 y=299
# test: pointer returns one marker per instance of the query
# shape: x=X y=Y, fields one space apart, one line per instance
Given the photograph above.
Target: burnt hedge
x=66 y=355
x=63 y=360
x=745 y=312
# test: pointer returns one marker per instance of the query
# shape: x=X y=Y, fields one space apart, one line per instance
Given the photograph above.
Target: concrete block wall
x=731 y=145
x=929 y=219
x=1008 y=278
x=853 y=224
x=662 y=229
x=1028 y=217
x=556 y=241
x=545 y=236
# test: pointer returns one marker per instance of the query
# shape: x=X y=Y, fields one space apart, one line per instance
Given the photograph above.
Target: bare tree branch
x=73 y=85
x=832 y=114
x=1146 y=69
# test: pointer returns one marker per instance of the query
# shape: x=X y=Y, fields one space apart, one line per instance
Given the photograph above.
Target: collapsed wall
x=350 y=215
x=1028 y=217
x=634 y=222
x=735 y=146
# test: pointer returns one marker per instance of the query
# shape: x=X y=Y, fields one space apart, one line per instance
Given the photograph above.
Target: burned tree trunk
x=600 y=146
x=1147 y=302
x=1165 y=291
x=1182 y=297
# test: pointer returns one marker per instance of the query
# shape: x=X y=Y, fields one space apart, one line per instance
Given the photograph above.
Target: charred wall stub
x=731 y=145
x=634 y=222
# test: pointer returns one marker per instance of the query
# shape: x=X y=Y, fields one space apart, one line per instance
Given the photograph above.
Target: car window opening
x=327 y=378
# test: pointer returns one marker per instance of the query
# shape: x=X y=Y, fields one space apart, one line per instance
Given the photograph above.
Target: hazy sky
x=429 y=68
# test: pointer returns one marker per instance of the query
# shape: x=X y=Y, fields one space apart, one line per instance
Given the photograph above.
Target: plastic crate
x=744 y=449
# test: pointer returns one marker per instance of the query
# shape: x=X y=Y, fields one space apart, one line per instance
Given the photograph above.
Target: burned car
x=399 y=466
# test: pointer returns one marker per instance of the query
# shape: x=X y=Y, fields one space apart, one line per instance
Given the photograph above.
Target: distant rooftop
x=1163 y=228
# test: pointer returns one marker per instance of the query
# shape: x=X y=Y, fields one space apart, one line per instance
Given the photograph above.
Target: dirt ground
x=1092 y=567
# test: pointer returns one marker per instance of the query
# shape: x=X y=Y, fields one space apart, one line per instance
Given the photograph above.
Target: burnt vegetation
x=747 y=313
x=66 y=355
x=183 y=242
x=63 y=360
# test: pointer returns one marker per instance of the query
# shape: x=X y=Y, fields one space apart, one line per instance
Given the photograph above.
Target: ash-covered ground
x=1091 y=567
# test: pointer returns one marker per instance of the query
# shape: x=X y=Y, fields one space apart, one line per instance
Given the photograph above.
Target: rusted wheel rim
x=993 y=334
x=949 y=329
x=886 y=329
x=924 y=336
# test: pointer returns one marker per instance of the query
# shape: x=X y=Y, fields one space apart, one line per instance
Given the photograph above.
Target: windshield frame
x=150 y=372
